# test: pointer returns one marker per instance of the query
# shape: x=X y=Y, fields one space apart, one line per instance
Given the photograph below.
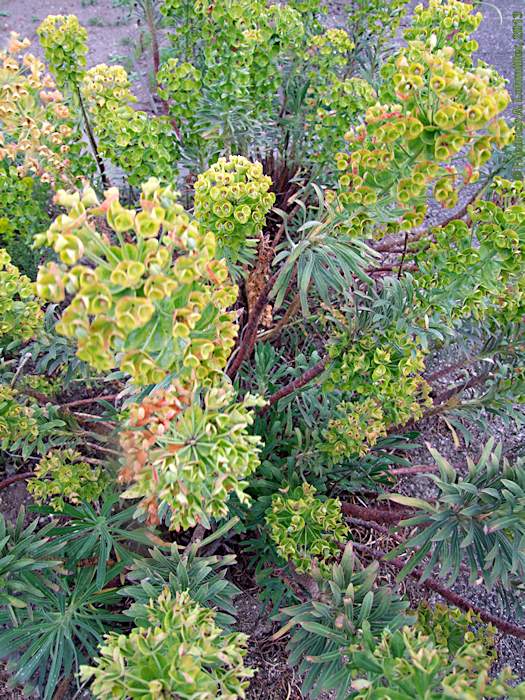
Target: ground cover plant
x=221 y=325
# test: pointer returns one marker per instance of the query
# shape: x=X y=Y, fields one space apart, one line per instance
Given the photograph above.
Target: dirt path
x=113 y=34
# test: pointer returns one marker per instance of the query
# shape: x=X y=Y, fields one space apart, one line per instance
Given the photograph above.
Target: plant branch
x=439 y=374
x=92 y=140
x=455 y=598
x=91 y=399
x=387 y=244
x=415 y=469
x=379 y=515
x=292 y=309
x=17 y=477
x=249 y=332
x=298 y=383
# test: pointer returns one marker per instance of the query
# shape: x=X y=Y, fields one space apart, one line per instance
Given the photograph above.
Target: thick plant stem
x=152 y=27
x=92 y=140
x=440 y=373
x=250 y=330
x=455 y=598
x=298 y=383
x=92 y=399
x=415 y=469
x=386 y=245
x=379 y=515
x=289 y=313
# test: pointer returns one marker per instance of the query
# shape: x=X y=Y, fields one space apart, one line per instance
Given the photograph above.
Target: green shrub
x=181 y=653
x=62 y=476
x=306 y=530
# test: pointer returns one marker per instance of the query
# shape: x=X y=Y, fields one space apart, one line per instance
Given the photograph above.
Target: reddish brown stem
x=379 y=515
x=250 y=330
x=15 y=478
x=150 y=20
x=92 y=399
x=106 y=450
x=440 y=373
x=416 y=469
x=298 y=383
x=458 y=600
x=41 y=398
x=371 y=525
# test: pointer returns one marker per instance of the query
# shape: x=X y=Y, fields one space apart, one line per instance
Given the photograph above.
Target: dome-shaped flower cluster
x=181 y=653
x=383 y=375
x=153 y=300
x=306 y=528
x=477 y=269
x=141 y=144
x=187 y=451
x=232 y=199
x=64 y=41
x=431 y=108
x=20 y=312
x=38 y=135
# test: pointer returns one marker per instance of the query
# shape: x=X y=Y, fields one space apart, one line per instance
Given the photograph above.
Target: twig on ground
x=16 y=477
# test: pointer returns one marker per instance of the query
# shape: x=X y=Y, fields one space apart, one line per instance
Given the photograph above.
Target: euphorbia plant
x=154 y=300
x=264 y=351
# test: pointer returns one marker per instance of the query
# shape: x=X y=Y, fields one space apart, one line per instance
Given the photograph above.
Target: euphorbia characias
x=186 y=451
x=341 y=303
x=38 y=135
x=431 y=108
x=20 y=312
x=154 y=301
x=232 y=199
x=141 y=144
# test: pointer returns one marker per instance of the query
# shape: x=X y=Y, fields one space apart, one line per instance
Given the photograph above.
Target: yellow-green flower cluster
x=141 y=144
x=151 y=298
x=233 y=55
x=288 y=27
x=337 y=105
x=232 y=199
x=383 y=372
x=239 y=47
x=478 y=269
x=16 y=421
x=357 y=427
x=306 y=7
x=407 y=660
x=244 y=45
x=38 y=135
x=64 y=41
x=182 y=653
x=310 y=12
x=451 y=627
x=431 y=110
x=443 y=23
x=306 y=529
x=20 y=313
x=180 y=85
x=329 y=52
x=63 y=477
x=187 y=451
